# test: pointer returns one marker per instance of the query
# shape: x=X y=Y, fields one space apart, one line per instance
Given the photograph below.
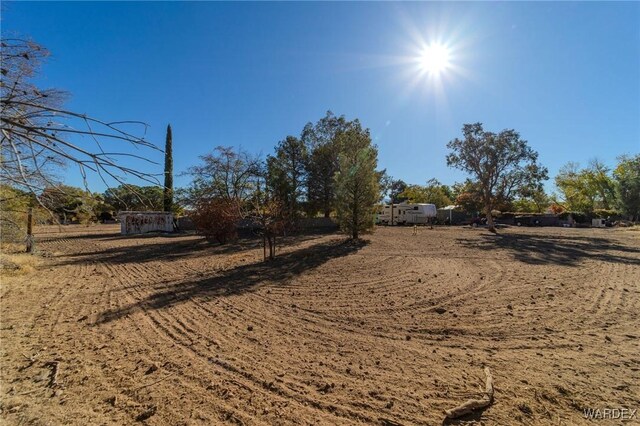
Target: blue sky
x=565 y=75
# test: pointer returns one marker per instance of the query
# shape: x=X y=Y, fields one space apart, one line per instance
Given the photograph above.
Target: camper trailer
x=406 y=214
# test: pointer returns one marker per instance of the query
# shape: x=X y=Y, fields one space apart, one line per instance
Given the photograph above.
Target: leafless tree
x=225 y=173
x=269 y=213
x=38 y=136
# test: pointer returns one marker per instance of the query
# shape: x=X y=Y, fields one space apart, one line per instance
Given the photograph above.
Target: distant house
x=132 y=222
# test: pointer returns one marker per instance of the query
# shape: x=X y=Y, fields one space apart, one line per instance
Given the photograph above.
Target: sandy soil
x=172 y=330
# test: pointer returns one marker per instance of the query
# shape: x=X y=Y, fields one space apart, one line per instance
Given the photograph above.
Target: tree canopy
x=324 y=148
x=502 y=163
x=585 y=189
x=433 y=192
x=287 y=173
x=357 y=182
x=627 y=185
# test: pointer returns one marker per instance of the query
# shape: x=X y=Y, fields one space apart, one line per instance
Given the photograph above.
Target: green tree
x=533 y=200
x=574 y=192
x=586 y=189
x=398 y=186
x=384 y=183
x=356 y=182
x=467 y=195
x=627 y=185
x=433 y=192
x=69 y=203
x=167 y=195
x=503 y=164
x=127 y=197
x=324 y=148
x=286 y=172
x=599 y=179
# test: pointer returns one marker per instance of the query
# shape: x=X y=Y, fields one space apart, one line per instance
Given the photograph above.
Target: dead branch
x=38 y=136
x=474 y=404
x=152 y=383
x=31 y=359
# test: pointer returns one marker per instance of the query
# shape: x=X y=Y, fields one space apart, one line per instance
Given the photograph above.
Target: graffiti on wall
x=143 y=222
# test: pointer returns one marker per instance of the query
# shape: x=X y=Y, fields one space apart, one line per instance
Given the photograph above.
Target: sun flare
x=435 y=59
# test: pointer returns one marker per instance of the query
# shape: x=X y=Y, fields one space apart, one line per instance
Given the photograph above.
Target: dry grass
x=18 y=263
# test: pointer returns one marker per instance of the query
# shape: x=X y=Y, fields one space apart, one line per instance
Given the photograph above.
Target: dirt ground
x=173 y=330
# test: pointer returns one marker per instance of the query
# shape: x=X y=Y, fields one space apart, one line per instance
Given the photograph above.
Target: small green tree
x=167 y=195
x=502 y=163
x=627 y=185
x=356 y=182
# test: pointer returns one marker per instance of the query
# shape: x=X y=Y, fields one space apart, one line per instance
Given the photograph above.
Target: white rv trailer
x=406 y=214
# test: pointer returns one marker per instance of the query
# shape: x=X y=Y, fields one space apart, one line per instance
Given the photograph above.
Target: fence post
x=30 y=230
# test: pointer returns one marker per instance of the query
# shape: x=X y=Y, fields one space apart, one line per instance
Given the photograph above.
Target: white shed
x=143 y=222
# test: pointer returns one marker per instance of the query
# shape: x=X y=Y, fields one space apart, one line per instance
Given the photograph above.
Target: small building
x=453 y=215
x=144 y=222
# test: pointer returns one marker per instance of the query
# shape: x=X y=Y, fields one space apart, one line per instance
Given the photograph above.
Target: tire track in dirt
x=183 y=339
x=351 y=340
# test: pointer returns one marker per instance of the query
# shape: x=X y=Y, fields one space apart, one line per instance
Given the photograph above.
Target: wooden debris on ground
x=474 y=404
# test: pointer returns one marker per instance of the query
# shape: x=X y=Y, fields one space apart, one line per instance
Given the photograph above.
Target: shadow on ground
x=241 y=279
x=159 y=249
x=560 y=250
x=473 y=418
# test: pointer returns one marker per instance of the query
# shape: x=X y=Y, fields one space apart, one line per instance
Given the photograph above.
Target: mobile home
x=405 y=214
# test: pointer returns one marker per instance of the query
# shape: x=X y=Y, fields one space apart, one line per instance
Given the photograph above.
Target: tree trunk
x=274 y=246
x=271 y=239
x=492 y=228
x=354 y=223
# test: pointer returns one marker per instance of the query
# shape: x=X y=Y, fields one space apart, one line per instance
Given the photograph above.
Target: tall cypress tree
x=168 y=172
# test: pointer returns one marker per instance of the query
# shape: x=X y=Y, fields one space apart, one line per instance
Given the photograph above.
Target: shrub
x=216 y=219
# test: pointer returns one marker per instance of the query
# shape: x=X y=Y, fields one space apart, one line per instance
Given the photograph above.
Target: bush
x=216 y=219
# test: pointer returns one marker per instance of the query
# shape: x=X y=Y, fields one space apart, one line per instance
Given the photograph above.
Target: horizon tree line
x=307 y=175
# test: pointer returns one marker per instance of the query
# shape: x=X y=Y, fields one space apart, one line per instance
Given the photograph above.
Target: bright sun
x=435 y=59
